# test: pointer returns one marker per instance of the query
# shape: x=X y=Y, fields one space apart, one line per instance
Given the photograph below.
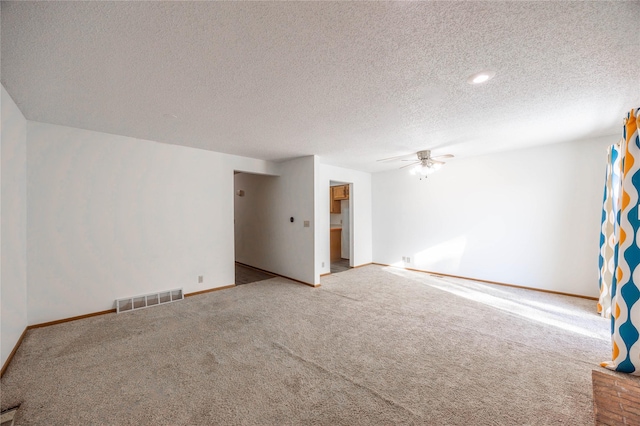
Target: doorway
x=340 y=226
x=251 y=226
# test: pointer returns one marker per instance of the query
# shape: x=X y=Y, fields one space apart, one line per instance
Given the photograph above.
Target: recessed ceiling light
x=481 y=77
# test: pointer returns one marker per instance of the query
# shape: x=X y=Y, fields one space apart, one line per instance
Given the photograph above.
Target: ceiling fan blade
x=396 y=157
x=410 y=164
x=437 y=162
x=443 y=156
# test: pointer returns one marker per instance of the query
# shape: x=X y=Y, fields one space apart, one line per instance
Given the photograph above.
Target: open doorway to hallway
x=251 y=224
x=341 y=226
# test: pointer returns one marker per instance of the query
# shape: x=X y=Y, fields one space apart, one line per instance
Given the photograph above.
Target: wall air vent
x=148 y=300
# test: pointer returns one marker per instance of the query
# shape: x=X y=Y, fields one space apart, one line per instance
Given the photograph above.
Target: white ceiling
x=351 y=82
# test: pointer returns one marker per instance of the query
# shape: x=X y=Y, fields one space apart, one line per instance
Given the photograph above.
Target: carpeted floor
x=372 y=345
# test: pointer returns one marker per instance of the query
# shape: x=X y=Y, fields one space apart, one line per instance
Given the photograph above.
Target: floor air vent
x=148 y=300
x=6 y=416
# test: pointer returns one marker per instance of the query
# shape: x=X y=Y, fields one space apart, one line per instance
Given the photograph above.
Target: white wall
x=361 y=232
x=13 y=267
x=529 y=217
x=265 y=237
x=111 y=216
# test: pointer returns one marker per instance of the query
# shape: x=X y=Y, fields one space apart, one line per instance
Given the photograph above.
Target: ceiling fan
x=424 y=165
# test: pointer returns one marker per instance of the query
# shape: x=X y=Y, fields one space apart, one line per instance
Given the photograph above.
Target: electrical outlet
x=323 y=264
x=306 y=223
x=200 y=278
x=408 y=260
x=404 y=258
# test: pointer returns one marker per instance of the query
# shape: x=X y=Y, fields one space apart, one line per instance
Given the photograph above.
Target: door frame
x=350 y=219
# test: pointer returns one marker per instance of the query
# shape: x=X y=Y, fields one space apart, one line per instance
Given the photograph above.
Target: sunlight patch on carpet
x=503 y=304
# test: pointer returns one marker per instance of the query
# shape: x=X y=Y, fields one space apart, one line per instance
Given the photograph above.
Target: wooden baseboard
x=109 y=311
x=264 y=271
x=491 y=282
x=351 y=267
x=209 y=290
x=13 y=352
x=278 y=275
x=93 y=314
x=60 y=321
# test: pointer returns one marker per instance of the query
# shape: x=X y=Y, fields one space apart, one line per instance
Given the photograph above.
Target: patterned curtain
x=625 y=290
x=609 y=226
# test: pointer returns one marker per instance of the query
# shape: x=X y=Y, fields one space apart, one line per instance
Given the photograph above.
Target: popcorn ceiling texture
x=373 y=345
x=351 y=82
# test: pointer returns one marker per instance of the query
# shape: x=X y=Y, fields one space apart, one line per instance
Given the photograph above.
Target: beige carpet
x=373 y=345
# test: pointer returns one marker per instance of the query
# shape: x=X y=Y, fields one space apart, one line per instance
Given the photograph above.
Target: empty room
x=328 y=213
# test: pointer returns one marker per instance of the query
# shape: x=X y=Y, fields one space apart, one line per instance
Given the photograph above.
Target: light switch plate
x=306 y=223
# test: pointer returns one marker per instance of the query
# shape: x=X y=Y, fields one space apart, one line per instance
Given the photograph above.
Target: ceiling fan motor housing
x=424 y=155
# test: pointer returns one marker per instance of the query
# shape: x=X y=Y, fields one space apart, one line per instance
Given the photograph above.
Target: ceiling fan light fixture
x=425 y=169
x=424 y=165
x=481 y=77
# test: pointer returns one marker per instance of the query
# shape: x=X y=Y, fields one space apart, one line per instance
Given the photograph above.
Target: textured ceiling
x=351 y=82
